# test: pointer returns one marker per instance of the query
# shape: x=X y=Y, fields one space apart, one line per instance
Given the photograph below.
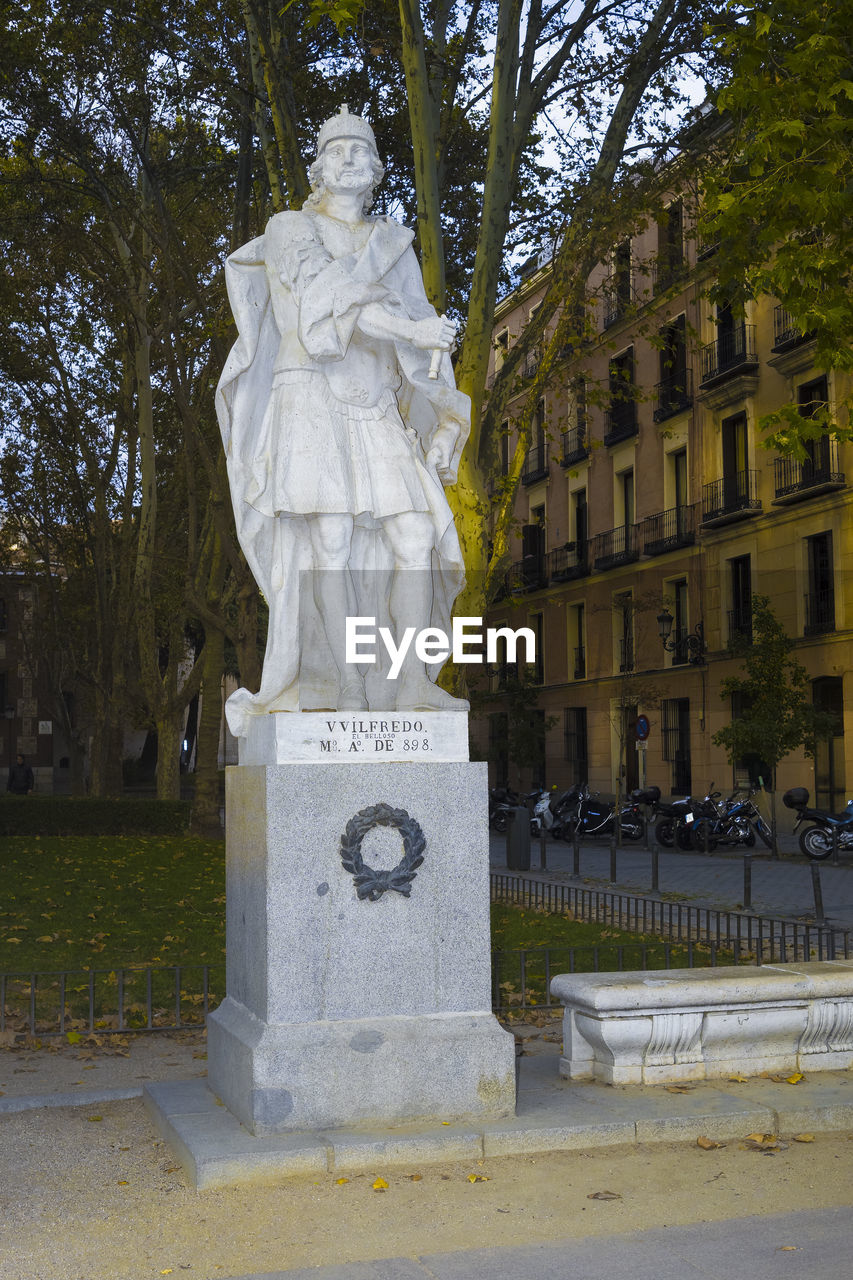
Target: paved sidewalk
x=780 y=887
x=809 y=1245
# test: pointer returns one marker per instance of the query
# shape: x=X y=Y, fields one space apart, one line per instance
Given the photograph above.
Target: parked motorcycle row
x=691 y=823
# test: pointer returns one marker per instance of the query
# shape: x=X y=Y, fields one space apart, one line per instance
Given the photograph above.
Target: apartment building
x=648 y=505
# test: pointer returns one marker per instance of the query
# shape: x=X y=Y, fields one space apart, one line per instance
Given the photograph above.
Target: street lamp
x=693 y=642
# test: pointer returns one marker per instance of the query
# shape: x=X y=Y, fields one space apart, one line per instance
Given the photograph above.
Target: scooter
x=595 y=817
x=816 y=841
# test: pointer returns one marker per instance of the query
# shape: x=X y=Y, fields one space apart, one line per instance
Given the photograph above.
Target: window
x=676 y=742
x=575 y=740
x=533 y=551
x=740 y=614
x=581 y=522
x=670 y=245
x=621 y=414
x=577 y=642
x=625 y=492
x=735 y=462
x=827 y=695
x=673 y=389
x=502 y=342
x=498 y=752
x=820 y=597
x=623 y=606
x=679 y=625
x=536 y=624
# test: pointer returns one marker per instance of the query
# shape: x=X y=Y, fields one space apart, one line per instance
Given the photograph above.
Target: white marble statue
x=341 y=424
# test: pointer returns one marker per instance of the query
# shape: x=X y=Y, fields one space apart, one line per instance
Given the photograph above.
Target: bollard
x=655 y=869
x=835 y=861
x=646 y=845
x=576 y=853
x=747 y=882
x=612 y=858
x=543 y=852
x=817 y=890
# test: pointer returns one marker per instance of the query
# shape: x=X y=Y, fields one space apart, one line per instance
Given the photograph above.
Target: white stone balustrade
x=653 y=1026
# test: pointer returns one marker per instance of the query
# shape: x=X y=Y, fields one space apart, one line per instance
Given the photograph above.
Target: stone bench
x=653 y=1026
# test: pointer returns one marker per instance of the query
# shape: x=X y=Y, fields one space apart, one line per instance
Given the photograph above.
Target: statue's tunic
x=318 y=418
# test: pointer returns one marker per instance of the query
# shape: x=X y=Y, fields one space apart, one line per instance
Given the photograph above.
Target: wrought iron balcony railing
x=618 y=299
x=535 y=464
x=616 y=546
x=673 y=394
x=731 y=498
x=668 y=530
x=528 y=574
x=816 y=473
x=740 y=627
x=575 y=447
x=620 y=420
x=570 y=561
x=733 y=351
x=820 y=612
x=786 y=332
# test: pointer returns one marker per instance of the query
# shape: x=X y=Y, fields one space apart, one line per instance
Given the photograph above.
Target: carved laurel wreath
x=369 y=882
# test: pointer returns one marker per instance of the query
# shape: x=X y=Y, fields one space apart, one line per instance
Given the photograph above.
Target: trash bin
x=518 y=839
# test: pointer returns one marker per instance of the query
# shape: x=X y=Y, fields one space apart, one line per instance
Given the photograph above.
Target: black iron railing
x=535 y=464
x=786 y=332
x=528 y=574
x=819 y=612
x=616 y=546
x=668 y=530
x=618 y=298
x=570 y=561
x=620 y=421
x=673 y=394
x=732 y=351
x=575 y=447
x=733 y=494
x=819 y=471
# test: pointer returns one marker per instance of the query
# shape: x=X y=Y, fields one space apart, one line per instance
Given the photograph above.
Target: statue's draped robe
x=316 y=417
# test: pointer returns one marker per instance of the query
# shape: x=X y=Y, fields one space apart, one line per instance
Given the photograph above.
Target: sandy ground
x=90 y=1193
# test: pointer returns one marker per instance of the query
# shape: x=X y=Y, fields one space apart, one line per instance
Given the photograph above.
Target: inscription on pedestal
x=359 y=738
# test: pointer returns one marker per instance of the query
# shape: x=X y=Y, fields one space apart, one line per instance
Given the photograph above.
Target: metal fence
x=748 y=939
x=101 y=1001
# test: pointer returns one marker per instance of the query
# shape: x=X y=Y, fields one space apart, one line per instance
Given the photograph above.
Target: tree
x=777 y=715
x=778 y=199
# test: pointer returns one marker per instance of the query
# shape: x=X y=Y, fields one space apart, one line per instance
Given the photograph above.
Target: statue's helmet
x=345 y=125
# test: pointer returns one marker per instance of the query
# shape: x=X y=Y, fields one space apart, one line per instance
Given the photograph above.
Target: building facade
x=646 y=492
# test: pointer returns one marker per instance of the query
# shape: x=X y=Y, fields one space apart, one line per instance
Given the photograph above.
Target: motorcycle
x=816 y=841
x=502 y=803
x=733 y=822
x=672 y=828
x=591 y=816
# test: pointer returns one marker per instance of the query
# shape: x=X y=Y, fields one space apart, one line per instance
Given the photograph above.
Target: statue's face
x=347 y=166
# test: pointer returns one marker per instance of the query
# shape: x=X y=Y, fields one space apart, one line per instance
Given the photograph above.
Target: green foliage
x=91 y=816
x=778 y=716
x=779 y=203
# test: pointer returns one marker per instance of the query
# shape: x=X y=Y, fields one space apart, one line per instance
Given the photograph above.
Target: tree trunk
x=205 y=813
x=169 y=729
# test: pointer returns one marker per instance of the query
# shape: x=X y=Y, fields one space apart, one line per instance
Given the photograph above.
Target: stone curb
x=77 y=1098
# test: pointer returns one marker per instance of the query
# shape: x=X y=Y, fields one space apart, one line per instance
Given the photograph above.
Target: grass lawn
x=106 y=903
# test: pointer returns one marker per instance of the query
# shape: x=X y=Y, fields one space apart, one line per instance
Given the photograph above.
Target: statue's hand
x=434 y=333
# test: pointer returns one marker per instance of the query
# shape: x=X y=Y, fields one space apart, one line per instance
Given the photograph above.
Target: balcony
x=528 y=574
x=669 y=530
x=816 y=474
x=568 y=562
x=575 y=447
x=732 y=352
x=786 y=333
x=530 y=368
x=667 y=272
x=740 y=627
x=618 y=298
x=819 y=612
x=734 y=497
x=681 y=651
x=535 y=464
x=620 y=420
x=617 y=546
x=580 y=662
x=673 y=395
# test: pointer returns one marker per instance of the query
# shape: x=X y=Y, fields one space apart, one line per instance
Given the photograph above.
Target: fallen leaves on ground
x=708 y=1144
x=477 y=1177
x=380 y=1185
x=604 y=1195
x=679 y=1088
x=766 y=1142
x=804 y=1137
x=736 y=1079
x=340 y=1182
x=415 y=1177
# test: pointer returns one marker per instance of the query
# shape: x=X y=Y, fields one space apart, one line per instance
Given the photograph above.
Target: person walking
x=21 y=780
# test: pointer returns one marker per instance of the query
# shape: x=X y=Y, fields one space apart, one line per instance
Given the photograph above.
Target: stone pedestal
x=348 y=1011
